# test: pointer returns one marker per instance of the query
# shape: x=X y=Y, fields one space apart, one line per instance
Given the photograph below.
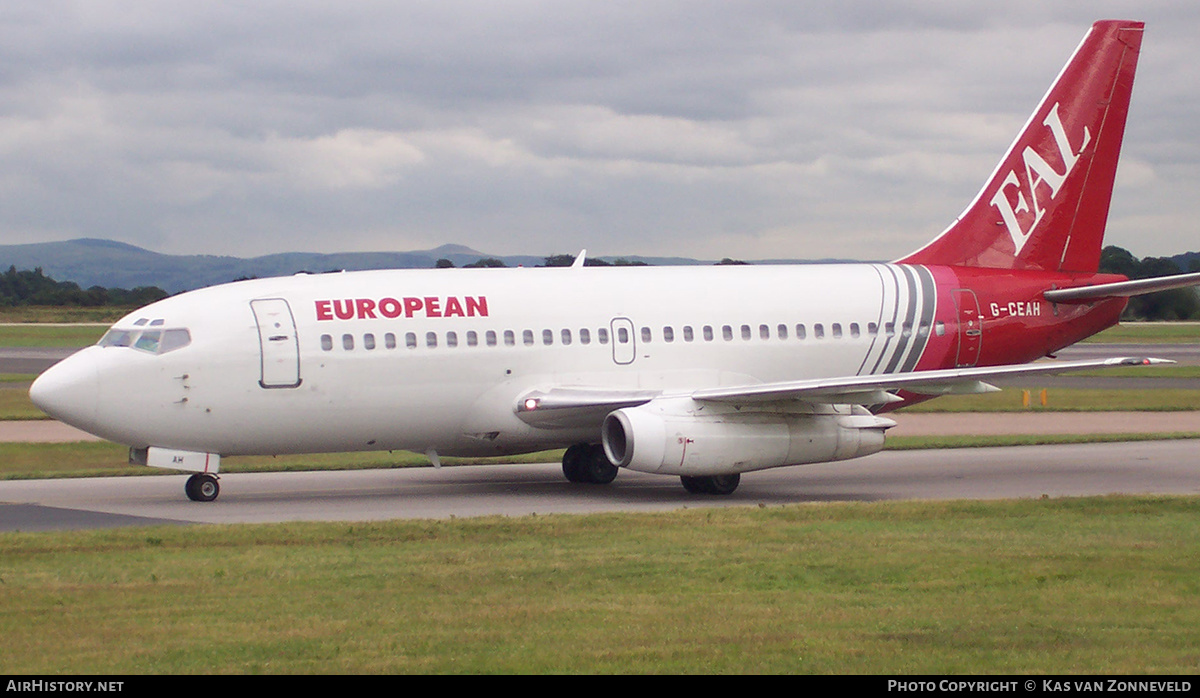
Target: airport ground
x=982 y=560
x=363 y=496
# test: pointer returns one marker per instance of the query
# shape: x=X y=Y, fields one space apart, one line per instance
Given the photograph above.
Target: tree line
x=1176 y=304
x=25 y=287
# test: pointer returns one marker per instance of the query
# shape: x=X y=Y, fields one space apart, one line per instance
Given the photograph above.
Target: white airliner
x=699 y=372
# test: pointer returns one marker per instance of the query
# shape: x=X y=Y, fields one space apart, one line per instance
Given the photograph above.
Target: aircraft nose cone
x=68 y=392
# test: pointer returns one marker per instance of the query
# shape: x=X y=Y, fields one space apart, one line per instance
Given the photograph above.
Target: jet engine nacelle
x=655 y=438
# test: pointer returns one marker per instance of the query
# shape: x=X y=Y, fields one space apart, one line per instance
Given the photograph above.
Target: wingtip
x=1138 y=361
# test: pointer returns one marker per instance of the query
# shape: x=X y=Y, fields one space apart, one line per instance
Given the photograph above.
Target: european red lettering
x=409 y=306
x=366 y=309
x=390 y=308
x=344 y=309
x=323 y=311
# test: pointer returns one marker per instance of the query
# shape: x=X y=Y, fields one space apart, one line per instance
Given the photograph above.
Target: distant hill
x=89 y=262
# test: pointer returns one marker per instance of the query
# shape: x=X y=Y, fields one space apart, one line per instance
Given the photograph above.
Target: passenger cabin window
x=490 y=338
x=410 y=340
x=837 y=330
x=645 y=334
x=818 y=331
x=602 y=335
x=431 y=340
x=746 y=332
x=326 y=343
x=547 y=337
x=389 y=340
x=369 y=342
x=708 y=333
x=527 y=337
x=452 y=339
x=688 y=335
x=727 y=333
x=566 y=336
x=510 y=338
x=472 y=338
x=801 y=333
x=783 y=331
x=348 y=342
x=585 y=336
x=668 y=334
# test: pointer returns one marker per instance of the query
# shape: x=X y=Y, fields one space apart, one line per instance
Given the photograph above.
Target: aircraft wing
x=866 y=390
x=579 y=406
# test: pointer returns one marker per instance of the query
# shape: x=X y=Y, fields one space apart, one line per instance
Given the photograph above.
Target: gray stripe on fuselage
x=928 y=308
x=883 y=296
x=887 y=342
x=909 y=315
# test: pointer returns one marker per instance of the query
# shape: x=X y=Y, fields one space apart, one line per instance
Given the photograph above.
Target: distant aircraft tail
x=1046 y=205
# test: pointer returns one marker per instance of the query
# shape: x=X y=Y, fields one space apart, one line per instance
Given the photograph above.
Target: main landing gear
x=712 y=484
x=202 y=487
x=587 y=463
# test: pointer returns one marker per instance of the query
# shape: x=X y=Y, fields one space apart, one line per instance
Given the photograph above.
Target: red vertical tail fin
x=1046 y=205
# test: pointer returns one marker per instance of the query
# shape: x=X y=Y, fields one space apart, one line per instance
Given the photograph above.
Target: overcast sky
x=707 y=129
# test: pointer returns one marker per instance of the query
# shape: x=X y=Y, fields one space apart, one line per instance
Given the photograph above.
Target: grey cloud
x=754 y=129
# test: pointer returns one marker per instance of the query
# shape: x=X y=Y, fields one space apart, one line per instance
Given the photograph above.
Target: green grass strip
x=50 y=335
x=1068 y=400
x=1062 y=586
x=1149 y=333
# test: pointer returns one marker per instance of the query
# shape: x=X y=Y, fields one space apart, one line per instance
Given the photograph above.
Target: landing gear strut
x=713 y=484
x=587 y=463
x=202 y=487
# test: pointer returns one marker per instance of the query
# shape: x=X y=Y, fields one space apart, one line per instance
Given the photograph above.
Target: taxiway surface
x=1154 y=467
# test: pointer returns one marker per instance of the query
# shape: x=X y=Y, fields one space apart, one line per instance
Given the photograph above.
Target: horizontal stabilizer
x=1121 y=289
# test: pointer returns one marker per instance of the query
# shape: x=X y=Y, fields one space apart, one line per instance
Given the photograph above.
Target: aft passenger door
x=624 y=345
x=970 y=327
x=280 y=349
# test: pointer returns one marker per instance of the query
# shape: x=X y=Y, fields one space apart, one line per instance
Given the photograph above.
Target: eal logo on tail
x=1037 y=172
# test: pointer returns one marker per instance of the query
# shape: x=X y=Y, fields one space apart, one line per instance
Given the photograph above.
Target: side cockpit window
x=118 y=338
x=155 y=341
